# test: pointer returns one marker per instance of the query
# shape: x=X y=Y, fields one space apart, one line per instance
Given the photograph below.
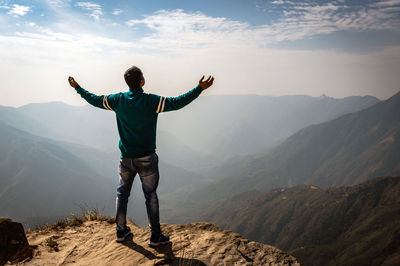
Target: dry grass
x=87 y=214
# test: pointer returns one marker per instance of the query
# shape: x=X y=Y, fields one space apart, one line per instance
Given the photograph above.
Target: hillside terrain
x=357 y=225
x=260 y=123
x=93 y=243
x=92 y=128
x=232 y=125
x=345 y=151
x=78 y=154
x=42 y=179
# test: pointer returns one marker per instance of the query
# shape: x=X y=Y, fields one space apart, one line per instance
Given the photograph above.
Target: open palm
x=204 y=84
x=72 y=82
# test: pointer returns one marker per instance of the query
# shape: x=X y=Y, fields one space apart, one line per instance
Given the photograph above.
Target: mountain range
x=356 y=225
x=43 y=179
x=53 y=147
x=229 y=126
x=40 y=178
x=345 y=151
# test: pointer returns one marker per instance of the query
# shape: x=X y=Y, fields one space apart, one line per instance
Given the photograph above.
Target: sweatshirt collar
x=135 y=91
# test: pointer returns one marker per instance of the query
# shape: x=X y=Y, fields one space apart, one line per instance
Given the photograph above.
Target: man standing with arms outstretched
x=137 y=114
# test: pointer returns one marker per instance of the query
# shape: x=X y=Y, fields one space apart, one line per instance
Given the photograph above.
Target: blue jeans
x=147 y=168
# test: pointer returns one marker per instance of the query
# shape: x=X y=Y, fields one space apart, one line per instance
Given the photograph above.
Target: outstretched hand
x=72 y=82
x=207 y=83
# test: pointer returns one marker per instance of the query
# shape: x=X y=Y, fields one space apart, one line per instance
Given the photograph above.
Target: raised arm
x=166 y=104
x=102 y=101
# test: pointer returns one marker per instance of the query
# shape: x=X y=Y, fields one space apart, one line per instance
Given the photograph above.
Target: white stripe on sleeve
x=159 y=104
x=163 y=105
x=105 y=103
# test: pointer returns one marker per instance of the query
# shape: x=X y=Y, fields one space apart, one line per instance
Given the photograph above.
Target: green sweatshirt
x=137 y=114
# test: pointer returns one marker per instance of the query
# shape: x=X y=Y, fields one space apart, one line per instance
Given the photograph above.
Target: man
x=137 y=113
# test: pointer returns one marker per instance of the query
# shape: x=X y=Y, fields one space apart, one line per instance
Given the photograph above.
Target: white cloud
x=192 y=44
x=278 y=2
x=47 y=61
x=5 y=7
x=386 y=3
x=95 y=9
x=59 y=3
x=176 y=29
x=81 y=42
x=19 y=10
x=303 y=20
x=117 y=11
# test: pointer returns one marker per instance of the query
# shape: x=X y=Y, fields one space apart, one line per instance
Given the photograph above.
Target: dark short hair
x=133 y=76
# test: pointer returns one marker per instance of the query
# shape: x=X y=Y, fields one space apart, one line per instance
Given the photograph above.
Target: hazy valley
x=221 y=160
x=345 y=151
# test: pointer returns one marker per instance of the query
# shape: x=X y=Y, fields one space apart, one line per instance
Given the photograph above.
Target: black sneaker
x=154 y=241
x=122 y=234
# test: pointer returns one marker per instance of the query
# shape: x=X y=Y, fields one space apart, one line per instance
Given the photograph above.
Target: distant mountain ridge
x=232 y=125
x=357 y=225
x=229 y=125
x=93 y=128
x=40 y=178
x=85 y=125
x=344 y=151
x=89 y=136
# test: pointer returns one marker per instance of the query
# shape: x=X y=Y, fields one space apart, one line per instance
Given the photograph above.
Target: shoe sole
x=153 y=244
x=122 y=239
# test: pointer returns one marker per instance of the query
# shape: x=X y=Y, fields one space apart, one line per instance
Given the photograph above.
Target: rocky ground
x=93 y=243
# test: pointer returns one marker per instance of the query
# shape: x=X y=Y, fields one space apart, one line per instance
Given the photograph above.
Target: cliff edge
x=93 y=243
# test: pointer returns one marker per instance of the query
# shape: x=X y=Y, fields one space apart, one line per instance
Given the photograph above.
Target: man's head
x=134 y=77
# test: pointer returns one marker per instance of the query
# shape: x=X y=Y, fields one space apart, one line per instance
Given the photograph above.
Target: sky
x=337 y=48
